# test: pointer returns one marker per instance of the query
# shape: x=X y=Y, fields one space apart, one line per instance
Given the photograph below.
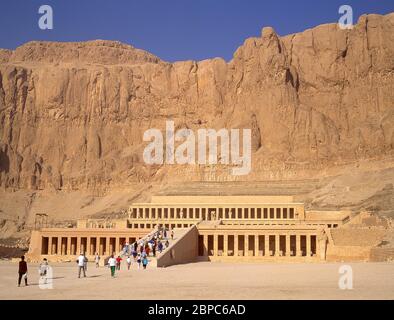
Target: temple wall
x=348 y=253
x=184 y=250
x=221 y=199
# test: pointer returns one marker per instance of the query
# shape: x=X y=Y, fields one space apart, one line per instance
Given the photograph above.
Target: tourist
x=160 y=246
x=128 y=260
x=81 y=265
x=112 y=265
x=85 y=263
x=97 y=260
x=167 y=244
x=147 y=250
x=43 y=270
x=154 y=249
x=134 y=254
x=118 y=260
x=22 y=271
x=165 y=234
x=144 y=262
x=172 y=234
x=139 y=260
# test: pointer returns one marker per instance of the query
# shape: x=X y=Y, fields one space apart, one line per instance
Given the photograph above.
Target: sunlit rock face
x=72 y=115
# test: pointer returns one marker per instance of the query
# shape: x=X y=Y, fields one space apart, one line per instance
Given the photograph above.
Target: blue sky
x=172 y=29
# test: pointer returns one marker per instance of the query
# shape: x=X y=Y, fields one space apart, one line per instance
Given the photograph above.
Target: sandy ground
x=205 y=281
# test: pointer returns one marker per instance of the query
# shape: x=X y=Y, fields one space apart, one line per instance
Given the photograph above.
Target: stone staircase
x=178 y=233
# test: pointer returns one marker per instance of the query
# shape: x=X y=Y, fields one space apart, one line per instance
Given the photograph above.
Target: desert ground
x=205 y=280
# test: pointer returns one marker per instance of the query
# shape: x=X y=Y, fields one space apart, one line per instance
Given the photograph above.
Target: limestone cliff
x=72 y=115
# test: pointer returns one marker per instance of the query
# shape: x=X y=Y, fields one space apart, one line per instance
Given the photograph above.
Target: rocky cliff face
x=72 y=115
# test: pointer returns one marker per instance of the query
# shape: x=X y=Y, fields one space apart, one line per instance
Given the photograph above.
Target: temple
x=214 y=228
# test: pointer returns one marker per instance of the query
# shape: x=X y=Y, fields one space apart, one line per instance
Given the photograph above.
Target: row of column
x=213 y=213
x=153 y=225
x=309 y=250
x=87 y=245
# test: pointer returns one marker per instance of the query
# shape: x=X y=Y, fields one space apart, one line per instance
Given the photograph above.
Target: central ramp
x=183 y=249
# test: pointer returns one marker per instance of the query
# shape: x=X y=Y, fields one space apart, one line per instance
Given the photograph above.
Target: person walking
x=118 y=260
x=154 y=249
x=85 y=263
x=128 y=260
x=22 y=271
x=172 y=234
x=134 y=254
x=160 y=246
x=112 y=265
x=97 y=260
x=139 y=260
x=144 y=262
x=81 y=265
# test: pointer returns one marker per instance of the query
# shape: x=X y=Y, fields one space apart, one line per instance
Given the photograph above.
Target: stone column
x=215 y=245
x=225 y=245
x=64 y=250
x=308 y=245
x=150 y=212
x=266 y=245
x=111 y=248
x=243 y=213
x=246 y=245
x=97 y=249
x=59 y=245
x=277 y=246
x=117 y=245
x=236 y=245
x=50 y=245
x=68 y=246
x=256 y=243
x=205 y=245
x=298 y=245
x=107 y=247
x=288 y=245
x=88 y=246
x=78 y=245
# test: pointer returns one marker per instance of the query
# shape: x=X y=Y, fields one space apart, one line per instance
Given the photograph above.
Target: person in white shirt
x=81 y=265
x=128 y=260
x=97 y=260
x=112 y=265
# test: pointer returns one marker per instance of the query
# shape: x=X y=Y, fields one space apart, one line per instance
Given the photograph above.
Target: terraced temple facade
x=228 y=228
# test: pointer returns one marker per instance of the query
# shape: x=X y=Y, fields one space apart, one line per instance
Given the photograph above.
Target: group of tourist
x=137 y=252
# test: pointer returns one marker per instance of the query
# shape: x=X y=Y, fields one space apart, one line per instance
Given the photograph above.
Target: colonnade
x=273 y=212
x=255 y=245
x=59 y=245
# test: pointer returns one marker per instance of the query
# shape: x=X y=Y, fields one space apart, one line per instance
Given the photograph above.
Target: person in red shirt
x=22 y=271
x=118 y=260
